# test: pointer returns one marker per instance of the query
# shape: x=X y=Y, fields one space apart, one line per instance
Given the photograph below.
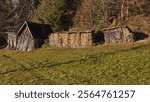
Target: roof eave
x=25 y=23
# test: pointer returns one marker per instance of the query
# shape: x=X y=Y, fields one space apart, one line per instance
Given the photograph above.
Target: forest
x=74 y=14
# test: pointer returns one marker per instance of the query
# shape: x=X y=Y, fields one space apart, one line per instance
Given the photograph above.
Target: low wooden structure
x=32 y=35
x=72 y=39
x=118 y=35
x=11 y=40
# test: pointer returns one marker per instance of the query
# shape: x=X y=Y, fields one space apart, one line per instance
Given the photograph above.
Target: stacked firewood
x=118 y=35
x=72 y=39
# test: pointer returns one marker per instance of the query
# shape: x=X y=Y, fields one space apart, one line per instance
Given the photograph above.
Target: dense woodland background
x=117 y=64
x=75 y=14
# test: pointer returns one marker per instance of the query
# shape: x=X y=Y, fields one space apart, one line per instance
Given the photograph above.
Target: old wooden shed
x=11 y=40
x=72 y=39
x=118 y=35
x=32 y=35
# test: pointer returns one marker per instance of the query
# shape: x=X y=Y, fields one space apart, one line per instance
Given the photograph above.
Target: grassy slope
x=115 y=64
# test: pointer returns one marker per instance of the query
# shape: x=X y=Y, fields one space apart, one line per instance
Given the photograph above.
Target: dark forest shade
x=32 y=35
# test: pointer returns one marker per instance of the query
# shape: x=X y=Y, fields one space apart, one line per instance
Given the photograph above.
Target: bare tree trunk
x=127 y=12
x=122 y=12
x=104 y=11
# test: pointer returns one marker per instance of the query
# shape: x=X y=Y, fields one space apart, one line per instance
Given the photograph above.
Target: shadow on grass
x=24 y=68
x=50 y=64
x=47 y=64
x=35 y=67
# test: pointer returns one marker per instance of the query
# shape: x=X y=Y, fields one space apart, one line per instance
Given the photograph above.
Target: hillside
x=123 y=63
x=109 y=64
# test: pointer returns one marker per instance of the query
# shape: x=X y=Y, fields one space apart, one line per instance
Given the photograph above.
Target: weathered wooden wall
x=25 y=41
x=71 y=39
x=11 y=40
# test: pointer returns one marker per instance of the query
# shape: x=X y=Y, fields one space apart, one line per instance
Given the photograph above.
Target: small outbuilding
x=118 y=35
x=72 y=39
x=11 y=40
x=32 y=35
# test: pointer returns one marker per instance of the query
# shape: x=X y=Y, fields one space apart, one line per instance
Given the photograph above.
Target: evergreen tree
x=58 y=13
x=52 y=12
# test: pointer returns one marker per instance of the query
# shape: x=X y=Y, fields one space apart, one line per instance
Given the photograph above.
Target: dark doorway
x=3 y=42
x=99 y=38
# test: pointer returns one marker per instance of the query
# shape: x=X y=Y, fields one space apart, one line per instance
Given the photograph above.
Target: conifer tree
x=52 y=12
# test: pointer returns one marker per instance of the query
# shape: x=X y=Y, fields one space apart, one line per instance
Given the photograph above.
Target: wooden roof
x=36 y=30
x=75 y=32
x=112 y=28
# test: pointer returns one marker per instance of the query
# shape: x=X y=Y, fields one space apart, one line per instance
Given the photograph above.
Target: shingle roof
x=37 y=30
x=112 y=28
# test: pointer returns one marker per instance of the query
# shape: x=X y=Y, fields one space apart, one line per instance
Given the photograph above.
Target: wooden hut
x=11 y=40
x=118 y=35
x=32 y=35
x=72 y=39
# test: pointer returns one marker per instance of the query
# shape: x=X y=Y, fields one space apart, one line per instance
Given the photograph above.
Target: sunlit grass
x=127 y=63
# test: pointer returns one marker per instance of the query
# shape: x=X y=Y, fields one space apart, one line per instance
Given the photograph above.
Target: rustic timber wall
x=72 y=39
x=25 y=43
x=11 y=40
x=118 y=35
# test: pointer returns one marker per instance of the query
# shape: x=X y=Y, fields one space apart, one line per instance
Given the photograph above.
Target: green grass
x=107 y=64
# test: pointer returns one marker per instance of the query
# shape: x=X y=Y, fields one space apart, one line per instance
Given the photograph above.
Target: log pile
x=118 y=35
x=72 y=39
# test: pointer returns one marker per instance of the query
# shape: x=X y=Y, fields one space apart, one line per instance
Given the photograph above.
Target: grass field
x=108 y=64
